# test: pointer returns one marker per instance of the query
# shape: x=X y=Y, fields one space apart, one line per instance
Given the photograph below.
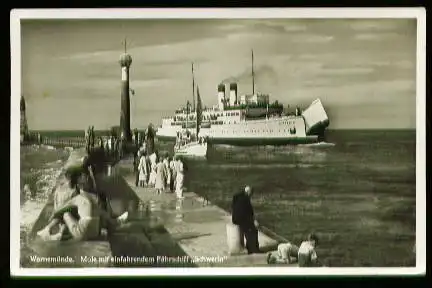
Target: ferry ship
x=248 y=120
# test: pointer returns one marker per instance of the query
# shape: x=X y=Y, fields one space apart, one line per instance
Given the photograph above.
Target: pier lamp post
x=125 y=63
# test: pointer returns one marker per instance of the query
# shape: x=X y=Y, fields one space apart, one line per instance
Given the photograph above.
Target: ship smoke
x=264 y=75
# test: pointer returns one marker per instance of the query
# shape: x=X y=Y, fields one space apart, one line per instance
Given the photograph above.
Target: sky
x=363 y=70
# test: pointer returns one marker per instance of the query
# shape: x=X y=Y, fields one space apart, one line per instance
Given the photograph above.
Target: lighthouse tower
x=125 y=62
x=23 y=123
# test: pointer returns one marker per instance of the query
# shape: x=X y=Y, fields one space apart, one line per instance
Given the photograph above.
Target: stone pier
x=161 y=228
x=198 y=226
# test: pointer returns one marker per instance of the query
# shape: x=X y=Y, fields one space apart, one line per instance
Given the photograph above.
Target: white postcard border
x=218 y=13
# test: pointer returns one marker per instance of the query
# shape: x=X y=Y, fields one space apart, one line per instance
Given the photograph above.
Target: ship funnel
x=221 y=96
x=233 y=94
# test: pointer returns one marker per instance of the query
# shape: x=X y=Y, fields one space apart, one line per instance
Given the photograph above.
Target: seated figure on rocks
x=80 y=217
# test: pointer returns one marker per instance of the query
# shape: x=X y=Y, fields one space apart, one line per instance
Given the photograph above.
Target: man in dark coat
x=243 y=216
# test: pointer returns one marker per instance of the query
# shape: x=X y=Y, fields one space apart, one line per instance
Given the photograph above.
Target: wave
x=39 y=175
x=265 y=166
x=35 y=199
x=275 y=148
x=319 y=144
x=49 y=147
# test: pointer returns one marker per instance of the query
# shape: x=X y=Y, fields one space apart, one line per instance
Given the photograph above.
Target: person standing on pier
x=136 y=138
x=87 y=139
x=167 y=172
x=92 y=138
x=160 y=176
x=101 y=144
x=120 y=148
x=107 y=146
x=173 y=170
x=243 y=216
x=142 y=170
x=153 y=163
x=143 y=148
x=179 y=177
x=136 y=167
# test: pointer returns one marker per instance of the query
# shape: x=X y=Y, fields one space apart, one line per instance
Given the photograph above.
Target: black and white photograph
x=248 y=141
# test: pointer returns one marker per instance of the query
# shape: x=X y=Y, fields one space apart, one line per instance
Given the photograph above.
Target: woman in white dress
x=167 y=172
x=179 y=178
x=160 y=177
x=153 y=163
x=143 y=171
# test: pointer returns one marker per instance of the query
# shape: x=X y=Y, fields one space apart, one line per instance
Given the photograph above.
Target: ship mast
x=253 y=75
x=193 y=88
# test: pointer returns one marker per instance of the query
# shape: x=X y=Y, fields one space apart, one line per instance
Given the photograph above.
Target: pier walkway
x=198 y=226
x=160 y=225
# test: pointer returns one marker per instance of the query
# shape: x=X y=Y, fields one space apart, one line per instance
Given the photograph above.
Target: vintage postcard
x=248 y=141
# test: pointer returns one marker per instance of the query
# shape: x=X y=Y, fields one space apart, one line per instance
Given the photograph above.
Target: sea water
x=40 y=168
x=356 y=191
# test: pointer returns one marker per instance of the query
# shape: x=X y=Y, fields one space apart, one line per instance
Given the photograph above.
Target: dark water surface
x=358 y=195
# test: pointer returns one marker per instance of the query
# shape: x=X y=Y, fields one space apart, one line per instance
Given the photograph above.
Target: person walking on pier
x=136 y=139
x=179 y=177
x=153 y=164
x=160 y=176
x=92 y=137
x=110 y=146
x=136 y=167
x=243 y=216
x=167 y=172
x=173 y=170
x=101 y=144
x=142 y=170
x=87 y=139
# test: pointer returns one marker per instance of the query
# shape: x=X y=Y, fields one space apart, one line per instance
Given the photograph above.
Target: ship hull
x=254 y=141
x=264 y=141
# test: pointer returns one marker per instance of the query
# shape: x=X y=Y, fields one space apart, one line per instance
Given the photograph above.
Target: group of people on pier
x=113 y=145
x=90 y=138
x=186 y=137
x=159 y=172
